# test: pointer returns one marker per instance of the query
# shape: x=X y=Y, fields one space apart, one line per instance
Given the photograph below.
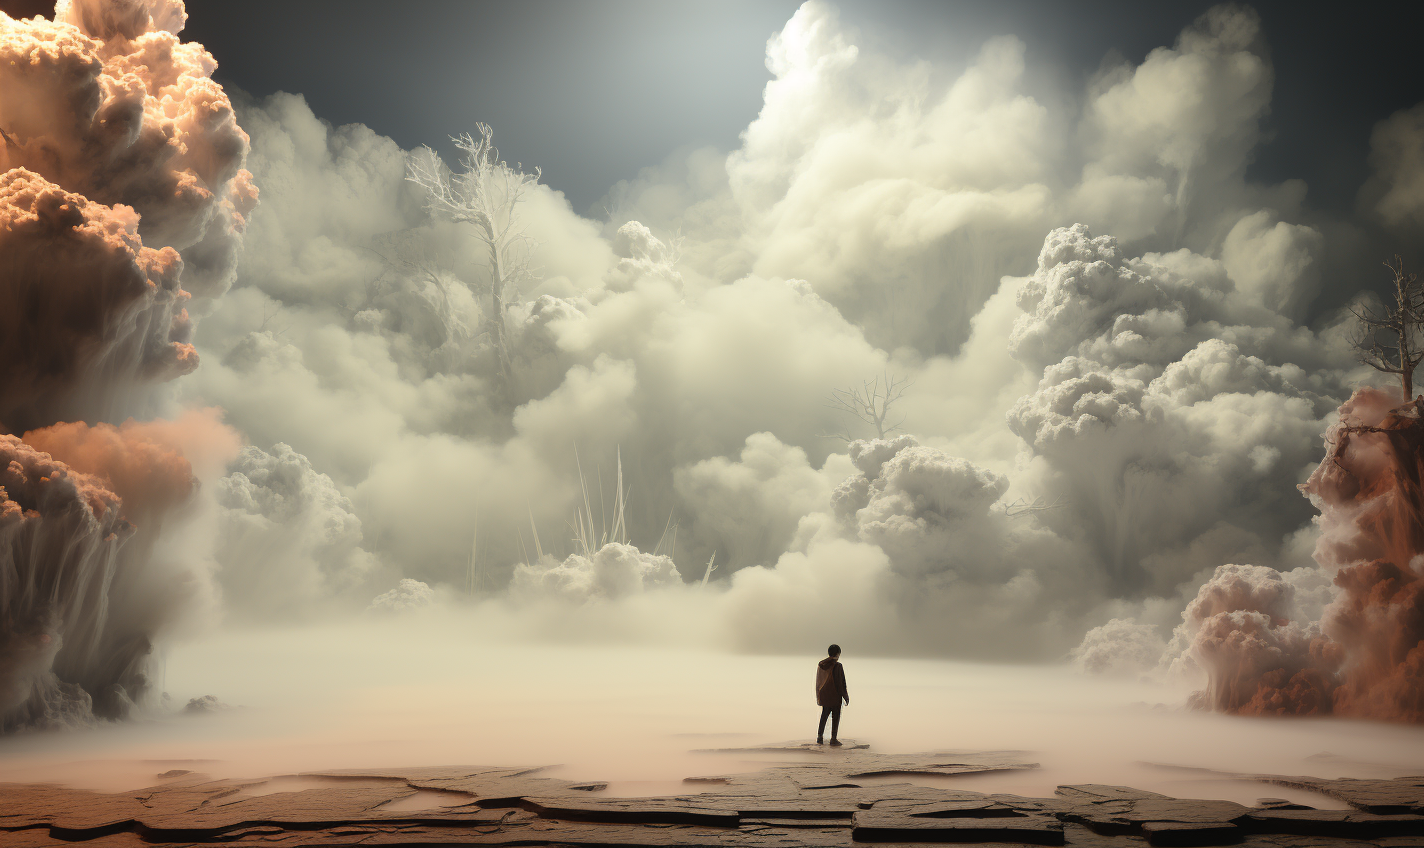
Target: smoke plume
x=122 y=204
x=1267 y=654
x=1369 y=492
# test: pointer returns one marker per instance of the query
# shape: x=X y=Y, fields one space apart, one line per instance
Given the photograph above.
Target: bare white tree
x=1402 y=348
x=871 y=402
x=486 y=194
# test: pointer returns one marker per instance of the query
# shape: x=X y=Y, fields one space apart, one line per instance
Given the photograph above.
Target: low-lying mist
x=455 y=685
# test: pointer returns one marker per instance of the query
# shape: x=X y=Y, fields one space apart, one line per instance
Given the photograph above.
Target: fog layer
x=432 y=689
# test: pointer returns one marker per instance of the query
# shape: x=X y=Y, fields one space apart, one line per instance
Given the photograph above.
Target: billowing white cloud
x=1273 y=262
x=614 y=571
x=288 y=538
x=407 y=595
x=1169 y=139
x=904 y=200
x=746 y=511
x=1090 y=438
x=900 y=206
x=1122 y=646
x=1174 y=427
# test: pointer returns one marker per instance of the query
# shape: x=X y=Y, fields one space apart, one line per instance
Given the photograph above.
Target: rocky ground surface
x=817 y=797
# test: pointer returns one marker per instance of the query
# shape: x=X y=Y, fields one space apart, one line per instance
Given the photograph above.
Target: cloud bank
x=1145 y=372
x=1112 y=390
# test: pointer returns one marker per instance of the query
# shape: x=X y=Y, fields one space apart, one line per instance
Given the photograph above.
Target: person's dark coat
x=830 y=683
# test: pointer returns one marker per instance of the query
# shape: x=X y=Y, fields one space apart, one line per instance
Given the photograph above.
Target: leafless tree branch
x=485 y=194
x=268 y=313
x=1402 y=349
x=872 y=402
x=1022 y=507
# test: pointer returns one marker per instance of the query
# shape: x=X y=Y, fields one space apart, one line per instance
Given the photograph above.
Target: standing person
x=830 y=691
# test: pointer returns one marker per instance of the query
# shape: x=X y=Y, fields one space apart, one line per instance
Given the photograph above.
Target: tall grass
x=589 y=535
x=711 y=567
x=667 y=542
x=477 y=576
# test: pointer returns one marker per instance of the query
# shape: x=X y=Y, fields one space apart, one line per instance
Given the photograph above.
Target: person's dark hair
x=834 y=650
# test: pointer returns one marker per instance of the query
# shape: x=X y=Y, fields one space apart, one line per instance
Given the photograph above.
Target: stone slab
x=1382 y=797
x=777 y=821
x=815 y=805
x=40 y=838
x=1095 y=792
x=1191 y=833
x=632 y=811
x=872 y=826
x=978 y=808
x=1339 y=823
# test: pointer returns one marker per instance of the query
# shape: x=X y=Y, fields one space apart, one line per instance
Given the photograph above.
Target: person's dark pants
x=834 y=711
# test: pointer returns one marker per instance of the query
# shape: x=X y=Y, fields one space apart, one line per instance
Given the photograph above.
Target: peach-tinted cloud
x=88 y=308
x=149 y=464
x=60 y=538
x=1365 y=658
x=1369 y=490
x=100 y=104
x=122 y=195
x=81 y=509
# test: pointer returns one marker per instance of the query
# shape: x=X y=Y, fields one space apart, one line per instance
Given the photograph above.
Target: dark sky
x=591 y=92
x=594 y=91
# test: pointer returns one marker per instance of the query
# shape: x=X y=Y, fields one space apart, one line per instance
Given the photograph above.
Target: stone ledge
x=819 y=804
